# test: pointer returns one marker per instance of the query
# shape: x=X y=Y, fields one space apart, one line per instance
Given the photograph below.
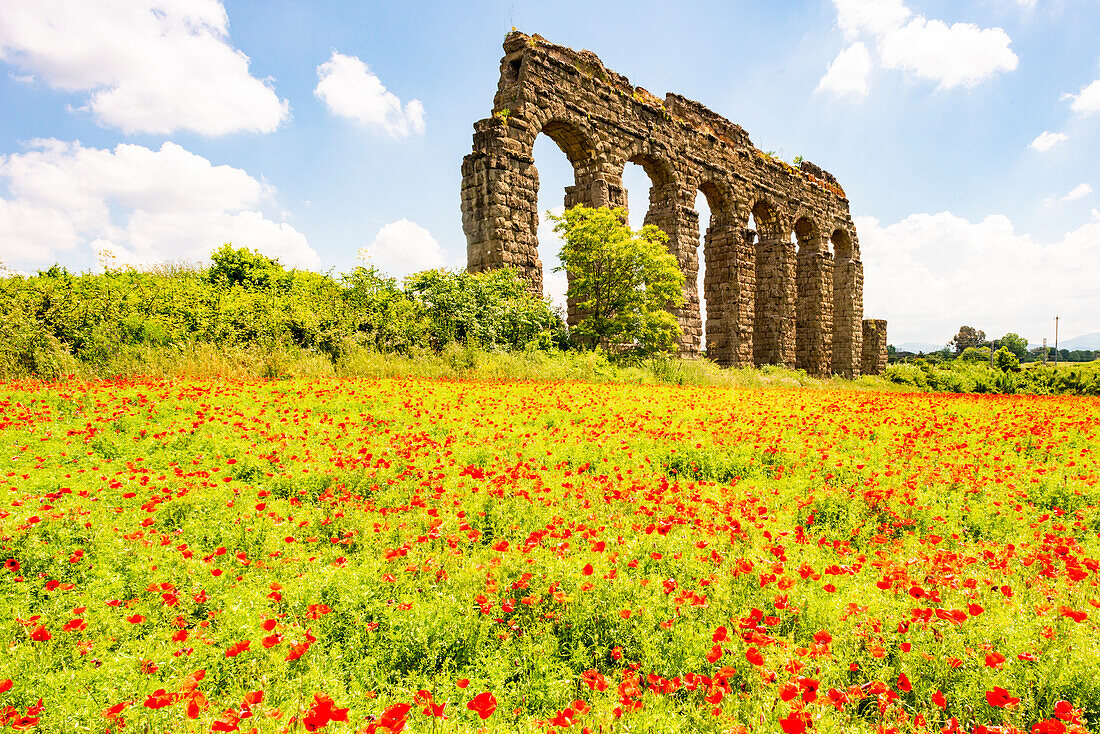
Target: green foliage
x=1015 y=344
x=1006 y=377
x=491 y=309
x=623 y=282
x=975 y=354
x=58 y=323
x=968 y=336
x=1005 y=360
x=246 y=268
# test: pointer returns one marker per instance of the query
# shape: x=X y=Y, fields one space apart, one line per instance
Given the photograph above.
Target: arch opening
x=561 y=156
x=644 y=173
x=706 y=218
x=715 y=261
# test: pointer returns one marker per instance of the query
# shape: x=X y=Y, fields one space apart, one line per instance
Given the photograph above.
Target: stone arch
x=813 y=285
x=847 y=305
x=774 y=315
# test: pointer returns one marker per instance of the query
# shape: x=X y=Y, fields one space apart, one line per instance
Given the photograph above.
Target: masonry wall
x=873 y=360
x=770 y=299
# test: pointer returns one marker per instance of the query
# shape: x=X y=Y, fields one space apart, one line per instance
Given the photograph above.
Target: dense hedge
x=55 y=319
x=978 y=377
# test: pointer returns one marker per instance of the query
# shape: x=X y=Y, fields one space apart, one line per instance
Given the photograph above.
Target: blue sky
x=966 y=134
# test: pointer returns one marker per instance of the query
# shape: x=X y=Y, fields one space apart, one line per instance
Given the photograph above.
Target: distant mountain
x=917 y=347
x=1086 y=341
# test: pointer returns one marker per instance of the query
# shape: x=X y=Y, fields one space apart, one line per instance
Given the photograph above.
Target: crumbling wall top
x=689 y=114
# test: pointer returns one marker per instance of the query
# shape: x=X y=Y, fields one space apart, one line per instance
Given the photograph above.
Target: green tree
x=247 y=268
x=975 y=354
x=494 y=309
x=1014 y=343
x=622 y=282
x=968 y=336
x=1006 y=360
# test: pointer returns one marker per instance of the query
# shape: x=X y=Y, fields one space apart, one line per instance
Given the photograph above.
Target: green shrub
x=55 y=321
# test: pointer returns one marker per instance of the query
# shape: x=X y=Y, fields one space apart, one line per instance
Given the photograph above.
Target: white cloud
x=349 y=89
x=146 y=205
x=1047 y=140
x=1087 y=100
x=961 y=54
x=870 y=16
x=403 y=247
x=149 y=66
x=848 y=72
x=930 y=273
x=1079 y=191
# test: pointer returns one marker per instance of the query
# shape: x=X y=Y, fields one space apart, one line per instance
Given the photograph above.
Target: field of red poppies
x=426 y=556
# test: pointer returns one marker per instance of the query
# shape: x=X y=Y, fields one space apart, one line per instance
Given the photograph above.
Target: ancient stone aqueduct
x=771 y=298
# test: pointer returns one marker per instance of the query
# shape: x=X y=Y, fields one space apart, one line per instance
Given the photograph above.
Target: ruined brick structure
x=789 y=292
x=873 y=360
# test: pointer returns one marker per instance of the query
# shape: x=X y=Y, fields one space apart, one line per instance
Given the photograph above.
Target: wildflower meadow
x=379 y=556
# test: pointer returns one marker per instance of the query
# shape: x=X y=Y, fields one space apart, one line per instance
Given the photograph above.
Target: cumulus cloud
x=961 y=54
x=848 y=72
x=148 y=66
x=1087 y=101
x=143 y=205
x=955 y=55
x=349 y=89
x=403 y=247
x=1047 y=140
x=930 y=273
x=875 y=17
x=1079 y=191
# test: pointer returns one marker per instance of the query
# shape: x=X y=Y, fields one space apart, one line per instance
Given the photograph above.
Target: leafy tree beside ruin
x=968 y=336
x=622 y=282
x=1015 y=344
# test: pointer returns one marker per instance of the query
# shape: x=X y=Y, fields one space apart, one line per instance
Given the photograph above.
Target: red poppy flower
x=483 y=704
x=393 y=719
x=795 y=723
x=237 y=648
x=753 y=656
x=999 y=697
x=297 y=651
x=159 y=699
x=323 y=712
x=41 y=634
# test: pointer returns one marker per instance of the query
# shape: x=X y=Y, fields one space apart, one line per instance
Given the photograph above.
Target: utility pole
x=1044 y=351
x=1055 y=341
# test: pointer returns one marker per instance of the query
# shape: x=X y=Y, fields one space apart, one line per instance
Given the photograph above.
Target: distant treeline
x=1034 y=354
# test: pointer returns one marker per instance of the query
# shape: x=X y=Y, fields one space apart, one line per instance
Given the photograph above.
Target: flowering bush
x=402 y=555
